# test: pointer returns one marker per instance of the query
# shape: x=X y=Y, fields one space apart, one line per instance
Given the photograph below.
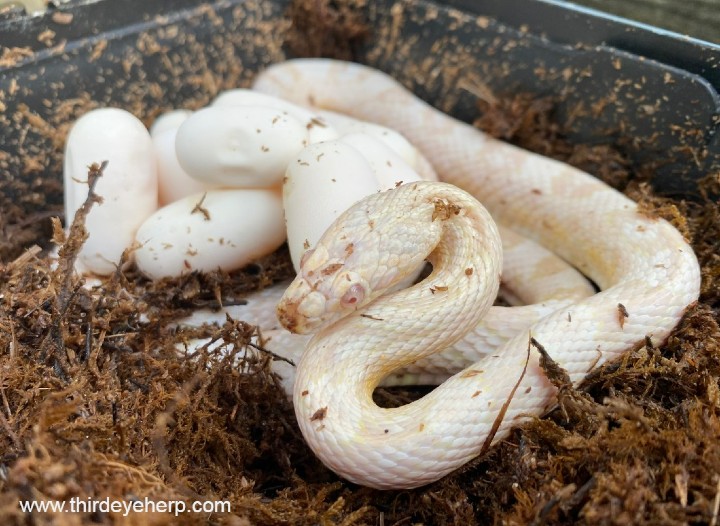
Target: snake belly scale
x=647 y=273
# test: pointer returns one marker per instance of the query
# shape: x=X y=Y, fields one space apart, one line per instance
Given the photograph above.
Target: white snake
x=647 y=274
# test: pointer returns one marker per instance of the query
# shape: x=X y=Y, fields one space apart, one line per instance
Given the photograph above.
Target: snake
x=361 y=330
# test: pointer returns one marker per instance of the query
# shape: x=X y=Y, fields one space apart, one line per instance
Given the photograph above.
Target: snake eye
x=353 y=295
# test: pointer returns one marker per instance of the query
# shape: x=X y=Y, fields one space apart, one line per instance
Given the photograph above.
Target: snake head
x=370 y=249
x=324 y=291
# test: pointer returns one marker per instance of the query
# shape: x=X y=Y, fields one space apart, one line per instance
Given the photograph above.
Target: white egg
x=389 y=168
x=170 y=120
x=318 y=128
x=173 y=182
x=323 y=181
x=397 y=142
x=128 y=186
x=239 y=146
x=221 y=229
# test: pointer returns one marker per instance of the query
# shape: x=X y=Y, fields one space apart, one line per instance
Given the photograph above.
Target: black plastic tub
x=652 y=93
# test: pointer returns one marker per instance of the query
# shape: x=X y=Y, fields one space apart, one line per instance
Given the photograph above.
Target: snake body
x=646 y=272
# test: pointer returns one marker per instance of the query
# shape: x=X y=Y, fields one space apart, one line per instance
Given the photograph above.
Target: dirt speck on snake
x=86 y=411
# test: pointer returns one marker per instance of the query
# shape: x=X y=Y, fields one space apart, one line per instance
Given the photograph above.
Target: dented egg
x=317 y=127
x=239 y=146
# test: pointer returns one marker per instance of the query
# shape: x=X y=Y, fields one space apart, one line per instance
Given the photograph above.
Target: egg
x=347 y=125
x=317 y=128
x=239 y=146
x=323 y=181
x=173 y=182
x=219 y=229
x=389 y=168
x=128 y=186
x=170 y=120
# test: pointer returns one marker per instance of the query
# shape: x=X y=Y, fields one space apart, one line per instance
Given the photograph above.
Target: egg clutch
x=222 y=186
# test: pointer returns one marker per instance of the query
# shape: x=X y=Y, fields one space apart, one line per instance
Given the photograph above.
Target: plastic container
x=652 y=93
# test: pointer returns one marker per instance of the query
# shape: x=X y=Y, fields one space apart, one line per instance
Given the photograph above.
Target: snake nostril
x=312 y=306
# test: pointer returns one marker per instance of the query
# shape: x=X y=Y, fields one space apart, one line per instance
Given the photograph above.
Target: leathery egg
x=328 y=178
x=394 y=140
x=239 y=146
x=170 y=120
x=220 y=229
x=128 y=185
x=389 y=168
x=173 y=182
x=317 y=127
x=323 y=181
